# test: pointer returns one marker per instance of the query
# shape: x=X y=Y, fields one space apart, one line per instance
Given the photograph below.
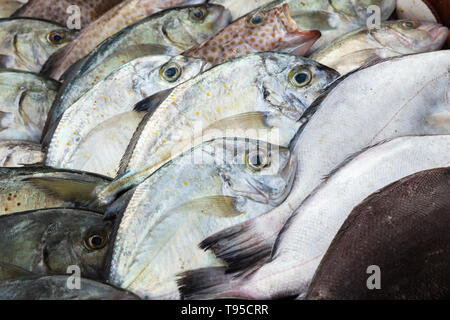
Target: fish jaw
x=438 y=35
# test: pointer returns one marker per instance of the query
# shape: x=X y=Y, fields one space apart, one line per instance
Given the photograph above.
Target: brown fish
x=114 y=20
x=56 y=11
x=402 y=229
x=263 y=30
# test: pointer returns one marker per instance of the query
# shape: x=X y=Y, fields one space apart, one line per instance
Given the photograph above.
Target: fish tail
x=210 y=283
x=242 y=246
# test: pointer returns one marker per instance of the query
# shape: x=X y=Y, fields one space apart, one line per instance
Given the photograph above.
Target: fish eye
x=256 y=19
x=96 y=241
x=197 y=14
x=257 y=160
x=407 y=25
x=170 y=72
x=56 y=37
x=300 y=77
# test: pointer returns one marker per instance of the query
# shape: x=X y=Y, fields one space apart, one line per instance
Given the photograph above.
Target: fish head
x=82 y=242
x=195 y=24
x=292 y=83
x=359 y=11
x=411 y=36
x=166 y=72
x=257 y=170
x=26 y=44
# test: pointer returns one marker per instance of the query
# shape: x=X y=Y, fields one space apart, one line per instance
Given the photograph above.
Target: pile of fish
x=223 y=149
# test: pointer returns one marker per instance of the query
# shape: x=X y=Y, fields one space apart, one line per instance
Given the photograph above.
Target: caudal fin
x=242 y=246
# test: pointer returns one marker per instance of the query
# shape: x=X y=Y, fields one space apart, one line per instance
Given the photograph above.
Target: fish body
x=308 y=233
x=19 y=153
x=398 y=97
x=56 y=288
x=57 y=11
x=49 y=241
x=103 y=121
x=402 y=229
x=34 y=187
x=219 y=183
x=130 y=12
x=226 y=101
x=26 y=100
x=168 y=32
x=394 y=38
x=8 y=7
x=26 y=44
x=263 y=30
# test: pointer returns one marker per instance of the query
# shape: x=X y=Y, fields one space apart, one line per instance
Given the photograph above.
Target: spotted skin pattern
x=273 y=33
x=56 y=10
x=116 y=19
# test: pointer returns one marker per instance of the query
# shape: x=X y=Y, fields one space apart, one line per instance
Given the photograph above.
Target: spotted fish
x=57 y=11
x=264 y=30
x=114 y=20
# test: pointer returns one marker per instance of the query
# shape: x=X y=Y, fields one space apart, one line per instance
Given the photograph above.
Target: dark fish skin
x=403 y=229
x=49 y=241
x=55 y=288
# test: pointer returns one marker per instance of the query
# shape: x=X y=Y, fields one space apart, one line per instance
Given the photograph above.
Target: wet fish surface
x=26 y=101
x=406 y=226
x=220 y=183
x=119 y=17
x=20 y=153
x=49 y=241
x=26 y=44
x=8 y=7
x=38 y=187
x=56 y=288
x=227 y=100
x=103 y=121
x=58 y=11
x=343 y=124
x=308 y=233
x=394 y=38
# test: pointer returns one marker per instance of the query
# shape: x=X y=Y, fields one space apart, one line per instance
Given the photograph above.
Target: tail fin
x=209 y=283
x=242 y=246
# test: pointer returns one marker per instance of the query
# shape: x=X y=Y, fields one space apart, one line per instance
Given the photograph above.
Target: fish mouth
x=295 y=41
x=437 y=33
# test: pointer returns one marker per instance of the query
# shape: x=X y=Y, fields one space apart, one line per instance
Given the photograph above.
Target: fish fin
x=241 y=246
x=253 y=120
x=150 y=104
x=215 y=206
x=207 y=283
x=66 y=189
x=9 y=272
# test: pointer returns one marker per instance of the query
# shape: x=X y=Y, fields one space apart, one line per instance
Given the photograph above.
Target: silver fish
x=310 y=230
x=402 y=96
x=219 y=183
x=392 y=39
x=260 y=96
x=26 y=100
x=103 y=121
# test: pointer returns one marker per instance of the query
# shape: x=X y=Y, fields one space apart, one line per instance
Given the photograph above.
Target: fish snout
x=438 y=33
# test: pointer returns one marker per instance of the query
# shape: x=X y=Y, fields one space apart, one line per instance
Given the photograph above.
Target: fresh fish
x=8 y=7
x=307 y=235
x=220 y=183
x=19 y=153
x=260 y=96
x=240 y=8
x=56 y=288
x=26 y=100
x=33 y=188
x=26 y=44
x=403 y=229
x=393 y=38
x=401 y=96
x=162 y=33
x=263 y=30
x=57 y=11
x=49 y=241
x=179 y=27
x=103 y=121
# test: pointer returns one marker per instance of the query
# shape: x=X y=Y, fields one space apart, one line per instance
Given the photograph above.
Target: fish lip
x=437 y=33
